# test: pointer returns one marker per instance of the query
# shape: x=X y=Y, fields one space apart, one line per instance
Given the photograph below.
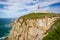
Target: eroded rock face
x=33 y=29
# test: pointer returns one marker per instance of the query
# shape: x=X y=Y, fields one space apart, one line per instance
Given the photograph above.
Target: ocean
x=4 y=27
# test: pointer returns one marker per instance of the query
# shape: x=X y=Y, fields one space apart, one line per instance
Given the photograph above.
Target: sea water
x=4 y=27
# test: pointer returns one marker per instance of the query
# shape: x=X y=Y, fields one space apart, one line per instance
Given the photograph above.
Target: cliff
x=54 y=33
x=33 y=26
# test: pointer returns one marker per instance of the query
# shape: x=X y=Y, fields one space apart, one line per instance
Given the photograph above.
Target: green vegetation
x=54 y=34
x=39 y=15
x=54 y=31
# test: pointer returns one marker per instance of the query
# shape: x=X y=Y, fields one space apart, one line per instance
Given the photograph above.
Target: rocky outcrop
x=33 y=26
x=30 y=29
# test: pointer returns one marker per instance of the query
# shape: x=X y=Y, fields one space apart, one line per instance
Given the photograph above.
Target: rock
x=29 y=29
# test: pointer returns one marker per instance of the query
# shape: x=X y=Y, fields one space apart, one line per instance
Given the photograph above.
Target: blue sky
x=17 y=8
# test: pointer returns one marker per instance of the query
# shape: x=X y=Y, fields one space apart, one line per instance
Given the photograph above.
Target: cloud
x=55 y=4
x=31 y=3
x=2 y=6
x=23 y=10
x=3 y=0
x=14 y=8
x=55 y=7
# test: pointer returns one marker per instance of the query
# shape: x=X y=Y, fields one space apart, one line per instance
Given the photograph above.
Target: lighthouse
x=38 y=8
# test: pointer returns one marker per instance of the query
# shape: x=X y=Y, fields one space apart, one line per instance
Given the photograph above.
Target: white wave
x=2 y=38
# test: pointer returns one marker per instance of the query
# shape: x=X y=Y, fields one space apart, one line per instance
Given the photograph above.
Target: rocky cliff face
x=30 y=29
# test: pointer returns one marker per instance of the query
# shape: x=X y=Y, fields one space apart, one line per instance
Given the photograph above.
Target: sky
x=17 y=8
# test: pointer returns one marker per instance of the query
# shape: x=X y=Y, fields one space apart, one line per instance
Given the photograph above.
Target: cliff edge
x=33 y=26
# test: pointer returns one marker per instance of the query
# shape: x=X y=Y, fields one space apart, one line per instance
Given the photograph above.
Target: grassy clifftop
x=39 y=15
x=32 y=29
x=54 y=34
